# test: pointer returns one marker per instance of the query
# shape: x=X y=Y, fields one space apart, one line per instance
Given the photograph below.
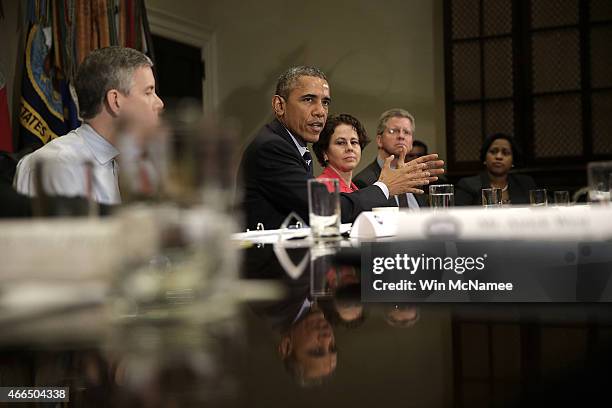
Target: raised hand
x=408 y=177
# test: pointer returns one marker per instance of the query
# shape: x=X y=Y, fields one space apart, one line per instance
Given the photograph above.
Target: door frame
x=189 y=32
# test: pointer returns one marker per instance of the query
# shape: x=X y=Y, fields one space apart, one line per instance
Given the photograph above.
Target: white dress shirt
x=64 y=171
x=301 y=149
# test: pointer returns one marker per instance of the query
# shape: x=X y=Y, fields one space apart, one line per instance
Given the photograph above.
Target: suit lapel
x=376 y=169
x=280 y=130
x=484 y=180
x=514 y=190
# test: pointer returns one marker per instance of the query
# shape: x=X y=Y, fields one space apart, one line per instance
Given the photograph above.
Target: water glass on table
x=441 y=196
x=538 y=198
x=600 y=181
x=491 y=197
x=562 y=198
x=324 y=207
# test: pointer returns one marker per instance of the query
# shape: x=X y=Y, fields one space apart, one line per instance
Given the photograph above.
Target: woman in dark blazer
x=498 y=154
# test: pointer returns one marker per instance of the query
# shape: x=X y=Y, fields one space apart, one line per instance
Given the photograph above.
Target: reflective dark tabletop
x=301 y=337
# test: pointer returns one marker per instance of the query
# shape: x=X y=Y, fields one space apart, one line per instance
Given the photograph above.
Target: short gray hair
x=393 y=113
x=105 y=69
x=286 y=82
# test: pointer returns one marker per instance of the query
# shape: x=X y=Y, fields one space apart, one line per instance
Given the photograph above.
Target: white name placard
x=581 y=222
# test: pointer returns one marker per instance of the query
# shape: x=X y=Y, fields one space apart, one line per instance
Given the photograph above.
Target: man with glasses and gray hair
x=394 y=138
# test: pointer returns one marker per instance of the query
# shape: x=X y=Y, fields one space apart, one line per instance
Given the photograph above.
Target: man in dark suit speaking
x=276 y=164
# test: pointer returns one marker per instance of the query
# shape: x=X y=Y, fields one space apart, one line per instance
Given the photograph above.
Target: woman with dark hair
x=498 y=154
x=339 y=148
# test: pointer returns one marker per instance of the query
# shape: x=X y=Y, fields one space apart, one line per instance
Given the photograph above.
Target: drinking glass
x=491 y=197
x=441 y=196
x=538 y=198
x=600 y=180
x=562 y=197
x=324 y=207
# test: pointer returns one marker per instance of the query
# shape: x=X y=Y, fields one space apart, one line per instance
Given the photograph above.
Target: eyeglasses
x=397 y=131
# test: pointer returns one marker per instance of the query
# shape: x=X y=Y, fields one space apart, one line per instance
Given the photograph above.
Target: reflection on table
x=316 y=344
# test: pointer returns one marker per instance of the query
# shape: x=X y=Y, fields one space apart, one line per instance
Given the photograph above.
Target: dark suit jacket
x=262 y=263
x=467 y=190
x=370 y=175
x=274 y=178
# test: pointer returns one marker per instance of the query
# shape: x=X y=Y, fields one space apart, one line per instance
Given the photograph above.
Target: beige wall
x=377 y=55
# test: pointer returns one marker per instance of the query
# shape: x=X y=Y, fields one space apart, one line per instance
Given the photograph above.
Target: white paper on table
x=272 y=236
x=275 y=235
